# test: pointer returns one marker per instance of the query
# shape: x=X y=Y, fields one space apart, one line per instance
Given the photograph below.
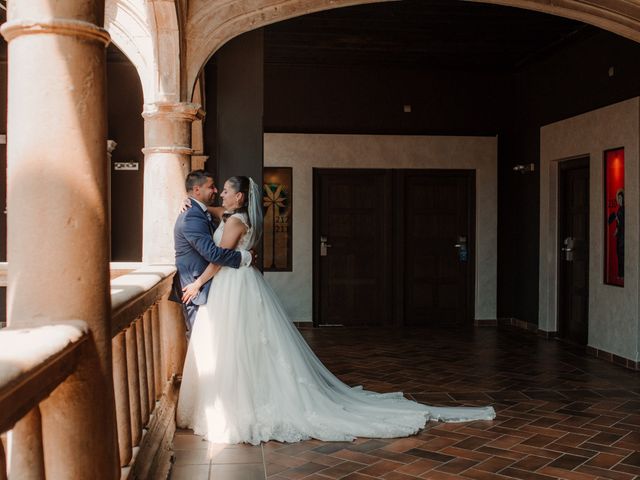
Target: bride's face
x=231 y=199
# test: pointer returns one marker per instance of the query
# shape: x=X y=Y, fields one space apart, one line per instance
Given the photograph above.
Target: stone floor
x=560 y=413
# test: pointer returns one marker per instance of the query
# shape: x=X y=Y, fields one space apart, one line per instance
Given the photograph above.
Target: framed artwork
x=276 y=243
x=614 y=217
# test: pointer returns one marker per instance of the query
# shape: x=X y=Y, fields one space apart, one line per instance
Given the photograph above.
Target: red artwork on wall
x=614 y=217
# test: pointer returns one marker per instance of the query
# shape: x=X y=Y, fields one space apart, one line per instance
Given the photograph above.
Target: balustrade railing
x=148 y=349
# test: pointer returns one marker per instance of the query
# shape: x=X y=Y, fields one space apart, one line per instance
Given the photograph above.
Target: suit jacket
x=195 y=250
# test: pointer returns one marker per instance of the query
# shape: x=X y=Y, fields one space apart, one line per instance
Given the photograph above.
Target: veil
x=254 y=210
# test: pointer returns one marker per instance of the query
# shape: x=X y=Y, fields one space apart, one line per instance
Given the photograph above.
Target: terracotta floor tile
x=604 y=473
x=435 y=475
x=315 y=457
x=531 y=463
x=438 y=457
x=418 y=467
x=456 y=465
x=237 y=472
x=403 y=458
x=568 y=462
x=621 y=467
x=538 y=441
x=404 y=444
x=499 y=452
x=560 y=414
x=395 y=475
x=633 y=459
x=190 y=472
x=274 y=468
x=462 y=453
x=471 y=443
x=364 y=458
x=524 y=475
x=358 y=476
x=192 y=457
x=438 y=443
x=236 y=455
x=494 y=464
x=565 y=474
x=342 y=470
x=380 y=468
x=505 y=441
x=302 y=471
x=285 y=460
x=604 y=460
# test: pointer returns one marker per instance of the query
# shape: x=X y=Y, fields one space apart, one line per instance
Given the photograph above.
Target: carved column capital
x=173 y=111
x=75 y=28
x=168 y=127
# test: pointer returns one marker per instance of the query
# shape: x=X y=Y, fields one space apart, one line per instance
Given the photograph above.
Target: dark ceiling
x=421 y=33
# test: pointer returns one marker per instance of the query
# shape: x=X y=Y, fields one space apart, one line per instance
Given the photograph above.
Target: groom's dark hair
x=196 y=178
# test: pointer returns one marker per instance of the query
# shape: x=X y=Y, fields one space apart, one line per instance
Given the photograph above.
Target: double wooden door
x=393 y=247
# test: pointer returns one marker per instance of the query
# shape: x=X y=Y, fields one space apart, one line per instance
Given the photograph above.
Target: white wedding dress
x=249 y=376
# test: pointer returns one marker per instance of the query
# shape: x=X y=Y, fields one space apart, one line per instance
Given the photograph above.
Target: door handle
x=463 y=251
x=323 y=246
x=569 y=243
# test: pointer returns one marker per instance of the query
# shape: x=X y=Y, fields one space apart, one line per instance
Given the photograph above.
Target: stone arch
x=148 y=32
x=210 y=24
x=127 y=24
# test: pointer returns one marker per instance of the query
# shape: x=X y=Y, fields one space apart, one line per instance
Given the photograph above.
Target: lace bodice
x=243 y=243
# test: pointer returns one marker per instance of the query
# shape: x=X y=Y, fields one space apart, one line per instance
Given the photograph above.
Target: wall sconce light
x=524 y=168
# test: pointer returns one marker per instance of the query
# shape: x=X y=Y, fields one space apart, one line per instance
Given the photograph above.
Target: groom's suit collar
x=198 y=202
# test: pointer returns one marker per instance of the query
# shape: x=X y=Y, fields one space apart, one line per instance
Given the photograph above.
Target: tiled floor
x=560 y=414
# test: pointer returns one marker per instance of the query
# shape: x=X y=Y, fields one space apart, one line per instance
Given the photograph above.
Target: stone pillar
x=57 y=217
x=27 y=455
x=167 y=160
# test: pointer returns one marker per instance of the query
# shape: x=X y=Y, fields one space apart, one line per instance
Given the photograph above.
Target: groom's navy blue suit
x=193 y=238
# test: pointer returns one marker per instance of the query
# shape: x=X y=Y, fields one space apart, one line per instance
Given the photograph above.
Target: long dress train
x=249 y=376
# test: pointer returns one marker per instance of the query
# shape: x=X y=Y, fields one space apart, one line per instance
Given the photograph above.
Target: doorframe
x=548 y=303
x=563 y=165
x=397 y=176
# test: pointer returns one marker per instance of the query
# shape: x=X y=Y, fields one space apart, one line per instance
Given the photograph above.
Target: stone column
x=27 y=455
x=57 y=217
x=167 y=160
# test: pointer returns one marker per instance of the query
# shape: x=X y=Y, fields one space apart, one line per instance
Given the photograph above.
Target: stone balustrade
x=148 y=348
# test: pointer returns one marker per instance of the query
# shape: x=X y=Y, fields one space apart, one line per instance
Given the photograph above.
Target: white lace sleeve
x=243 y=218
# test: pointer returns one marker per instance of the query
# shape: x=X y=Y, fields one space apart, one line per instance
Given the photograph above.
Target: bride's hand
x=190 y=292
x=186 y=205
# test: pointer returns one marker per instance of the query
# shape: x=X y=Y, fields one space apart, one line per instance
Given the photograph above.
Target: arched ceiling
x=436 y=34
x=210 y=24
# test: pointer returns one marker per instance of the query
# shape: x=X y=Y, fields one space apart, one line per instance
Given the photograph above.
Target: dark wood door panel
x=437 y=212
x=573 y=267
x=354 y=283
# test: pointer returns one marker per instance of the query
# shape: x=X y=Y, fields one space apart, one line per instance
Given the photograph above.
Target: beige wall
x=303 y=152
x=613 y=311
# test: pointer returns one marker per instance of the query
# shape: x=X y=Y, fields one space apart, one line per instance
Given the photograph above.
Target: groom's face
x=206 y=192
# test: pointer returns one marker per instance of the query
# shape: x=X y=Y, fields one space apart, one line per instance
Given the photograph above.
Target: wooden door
x=385 y=247
x=438 y=247
x=573 y=251
x=352 y=266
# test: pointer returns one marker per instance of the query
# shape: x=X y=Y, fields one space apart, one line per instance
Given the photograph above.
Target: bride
x=249 y=376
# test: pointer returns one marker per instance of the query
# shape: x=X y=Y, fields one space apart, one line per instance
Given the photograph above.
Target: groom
x=193 y=238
